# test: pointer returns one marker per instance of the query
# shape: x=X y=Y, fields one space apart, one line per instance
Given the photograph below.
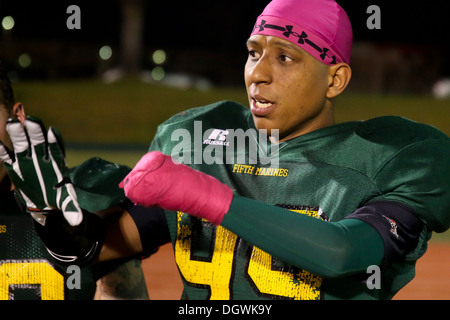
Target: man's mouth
x=263 y=104
x=261 y=107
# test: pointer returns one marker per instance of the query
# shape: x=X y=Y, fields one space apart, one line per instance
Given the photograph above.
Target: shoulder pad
x=394 y=130
x=222 y=107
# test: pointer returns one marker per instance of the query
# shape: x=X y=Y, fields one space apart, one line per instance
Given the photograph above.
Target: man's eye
x=253 y=53
x=285 y=58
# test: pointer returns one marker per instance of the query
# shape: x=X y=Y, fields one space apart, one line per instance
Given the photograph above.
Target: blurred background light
x=158 y=73
x=441 y=89
x=24 y=60
x=159 y=56
x=8 y=23
x=105 y=52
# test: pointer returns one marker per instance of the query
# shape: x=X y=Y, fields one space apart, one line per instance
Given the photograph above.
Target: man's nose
x=260 y=71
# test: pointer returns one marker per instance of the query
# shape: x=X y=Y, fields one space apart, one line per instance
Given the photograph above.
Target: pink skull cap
x=320 y=27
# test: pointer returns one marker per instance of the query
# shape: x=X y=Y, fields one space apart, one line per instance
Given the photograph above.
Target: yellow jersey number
x=217 y=272
x=23 y=273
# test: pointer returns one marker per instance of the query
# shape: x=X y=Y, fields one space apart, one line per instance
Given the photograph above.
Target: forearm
x=121 y=237
x=328 y=249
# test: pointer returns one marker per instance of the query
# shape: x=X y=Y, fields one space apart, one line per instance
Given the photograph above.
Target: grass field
x=120 y=113
x=101 y=119
x=129 y=111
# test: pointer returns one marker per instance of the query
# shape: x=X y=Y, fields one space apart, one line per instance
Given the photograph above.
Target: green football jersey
x=326 y=174
x=27 y=270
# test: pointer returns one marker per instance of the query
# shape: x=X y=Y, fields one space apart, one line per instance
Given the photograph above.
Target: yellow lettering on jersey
x=250 y=170
x=300 y=286
x=31 y=273
x=308 y=212
x=215 y=274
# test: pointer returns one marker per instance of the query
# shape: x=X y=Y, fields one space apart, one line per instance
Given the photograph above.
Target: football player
x=334 y=202
x=27 y=270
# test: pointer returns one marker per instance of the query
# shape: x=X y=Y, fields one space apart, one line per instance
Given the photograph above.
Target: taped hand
x=157 y=181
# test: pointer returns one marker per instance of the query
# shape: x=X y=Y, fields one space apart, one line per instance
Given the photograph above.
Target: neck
x=324 y=119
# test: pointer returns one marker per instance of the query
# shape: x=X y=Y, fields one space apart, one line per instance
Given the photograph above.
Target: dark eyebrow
x=280 y=43
x=252 y=43
x=287 y=45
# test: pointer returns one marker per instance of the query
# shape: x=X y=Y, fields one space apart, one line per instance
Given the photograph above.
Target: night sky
x=205 y=23
x=219 y=26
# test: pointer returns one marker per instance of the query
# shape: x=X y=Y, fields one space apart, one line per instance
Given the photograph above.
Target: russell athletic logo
x=224 y=146
x=218 y=137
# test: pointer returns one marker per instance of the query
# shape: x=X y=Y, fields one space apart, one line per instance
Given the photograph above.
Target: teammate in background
x=27 y=270
x=341 y=197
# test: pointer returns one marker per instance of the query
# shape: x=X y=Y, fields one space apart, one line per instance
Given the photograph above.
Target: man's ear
x=339 y=77
x=19 y=112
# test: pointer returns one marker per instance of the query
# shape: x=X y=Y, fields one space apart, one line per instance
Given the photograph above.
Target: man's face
x=286 y=88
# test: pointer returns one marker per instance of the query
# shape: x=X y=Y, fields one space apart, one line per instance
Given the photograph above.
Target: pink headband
x=320 y=27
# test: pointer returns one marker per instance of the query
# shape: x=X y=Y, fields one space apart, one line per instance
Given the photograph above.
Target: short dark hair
x=6 y=91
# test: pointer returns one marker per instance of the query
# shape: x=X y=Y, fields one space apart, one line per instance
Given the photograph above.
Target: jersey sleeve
x=419 y=177
x=397 y=225
x=327 y=249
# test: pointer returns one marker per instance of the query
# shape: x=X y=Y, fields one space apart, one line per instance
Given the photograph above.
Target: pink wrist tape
x=157 y=181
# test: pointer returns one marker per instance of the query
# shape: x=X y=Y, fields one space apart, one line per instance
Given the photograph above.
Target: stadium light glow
x=159 y=56
x=8 y=23
x=105 y=53
x=24 y=60
x=158 y=73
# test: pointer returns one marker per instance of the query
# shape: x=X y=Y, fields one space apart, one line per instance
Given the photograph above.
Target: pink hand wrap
x=157 y=181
